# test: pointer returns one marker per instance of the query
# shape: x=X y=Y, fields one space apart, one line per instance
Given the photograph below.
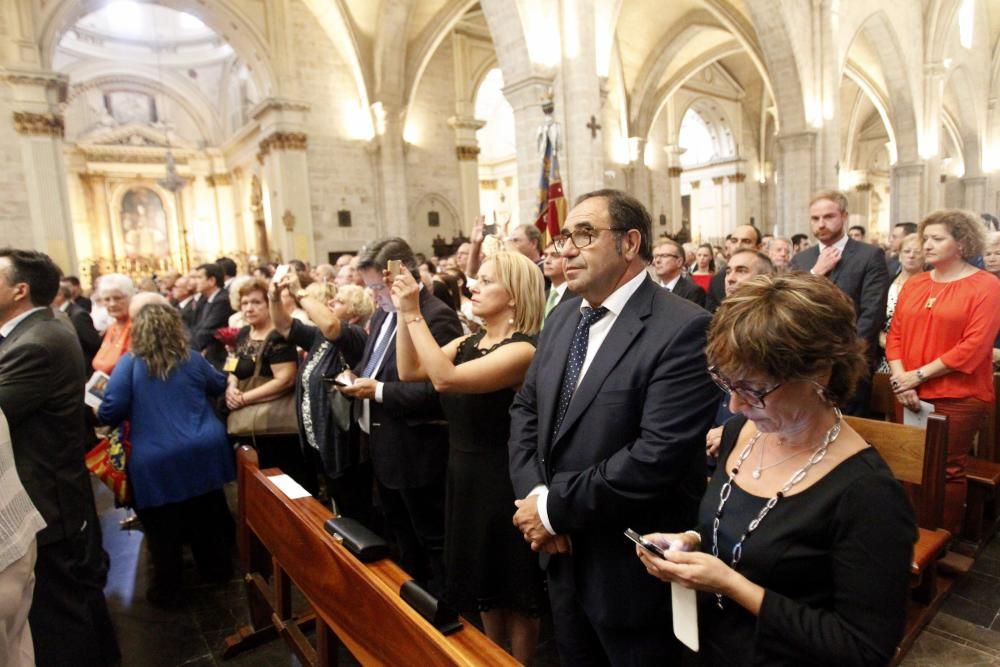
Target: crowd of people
x=503 y=415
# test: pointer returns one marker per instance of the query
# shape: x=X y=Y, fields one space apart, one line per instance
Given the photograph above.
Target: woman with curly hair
x=180 y=456
x=940 y=344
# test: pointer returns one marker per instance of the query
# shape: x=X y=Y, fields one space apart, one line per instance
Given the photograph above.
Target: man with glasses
x=606 y=434
x=552 y=269
x=401 y=423
x=668 y=263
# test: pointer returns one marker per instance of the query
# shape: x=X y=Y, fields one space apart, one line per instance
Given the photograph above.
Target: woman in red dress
x=704 y=266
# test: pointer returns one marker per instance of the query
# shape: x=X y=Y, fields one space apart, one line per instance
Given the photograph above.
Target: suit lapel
x=845 y=257
x=559 y=334
x=624 y=331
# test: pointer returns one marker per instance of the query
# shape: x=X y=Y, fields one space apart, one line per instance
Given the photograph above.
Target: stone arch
x=880 y=33
x=511 y=44
x=222 y=16
x=969 y=114
x=181 y=91
x=721 y=129
x=778 y=53
x=437 y=198
x=341 y=31
x=878 y=100
x=428 y=41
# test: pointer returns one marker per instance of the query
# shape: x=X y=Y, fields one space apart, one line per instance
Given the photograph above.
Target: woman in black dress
x=489 y=567
x=805 y=537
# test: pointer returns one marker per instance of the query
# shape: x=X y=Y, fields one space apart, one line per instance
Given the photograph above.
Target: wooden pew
x=353 y=603
x=917 y=458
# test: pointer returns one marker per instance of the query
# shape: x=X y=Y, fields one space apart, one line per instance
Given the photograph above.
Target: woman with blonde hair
x=940 y=344
x=489 y=567
x=180 y=457
x=911 y=262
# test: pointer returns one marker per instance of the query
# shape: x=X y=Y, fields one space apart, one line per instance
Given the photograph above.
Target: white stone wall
x=432 y=177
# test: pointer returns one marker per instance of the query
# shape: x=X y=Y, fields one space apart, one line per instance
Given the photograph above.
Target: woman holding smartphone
x=489 y=567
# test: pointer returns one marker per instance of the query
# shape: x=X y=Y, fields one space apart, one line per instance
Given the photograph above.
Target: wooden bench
x=352 y=604
x=917 y=459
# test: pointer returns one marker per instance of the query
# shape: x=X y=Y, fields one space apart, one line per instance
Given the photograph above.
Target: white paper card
x=684 y=602
x=918 y=419
x=289 y=487
x=94 y=392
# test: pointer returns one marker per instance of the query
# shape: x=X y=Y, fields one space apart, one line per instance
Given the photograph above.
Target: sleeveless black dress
x=488 y=563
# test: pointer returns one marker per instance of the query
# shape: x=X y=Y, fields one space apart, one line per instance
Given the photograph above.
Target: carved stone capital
x=675 y=172
x=288 y=219
x=695 y=185
x=467 y=152
x=736 y=178
x=863 y=187
x=39 y=124
x=281 y=141
x=217 y=180
x=717 y=180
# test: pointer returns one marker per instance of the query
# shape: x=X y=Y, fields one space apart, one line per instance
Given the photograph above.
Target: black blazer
x=41 y=394
x=862 y=275
x=716 y=291
x=208 y=318
x=687 y=289
x=90 y=340
x=630 y=450
x=408 y=436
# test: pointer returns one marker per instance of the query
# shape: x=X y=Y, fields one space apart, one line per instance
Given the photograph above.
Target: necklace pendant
x=930 y=302
x=756 y=474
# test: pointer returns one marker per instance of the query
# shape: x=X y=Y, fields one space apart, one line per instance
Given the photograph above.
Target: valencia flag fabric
x=551 y=201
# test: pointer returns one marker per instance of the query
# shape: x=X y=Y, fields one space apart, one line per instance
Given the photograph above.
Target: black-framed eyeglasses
x=582 y=238
x=752 y=397
x=665 y=255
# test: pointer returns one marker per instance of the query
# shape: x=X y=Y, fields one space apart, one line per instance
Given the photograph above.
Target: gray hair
x=116 y=281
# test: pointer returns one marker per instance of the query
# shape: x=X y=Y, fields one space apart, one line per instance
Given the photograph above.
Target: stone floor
x=965 y=632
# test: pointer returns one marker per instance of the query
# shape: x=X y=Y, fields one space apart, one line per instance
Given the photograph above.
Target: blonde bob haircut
x=357 y=302
x=523 y=281
x=965 y=227
x=160 y=338
x=789 y=327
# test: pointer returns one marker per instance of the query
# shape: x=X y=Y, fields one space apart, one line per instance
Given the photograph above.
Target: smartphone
x=644 y=543
x=394 y=267
x=280 y=273
x=345 y=379
x=490 y=229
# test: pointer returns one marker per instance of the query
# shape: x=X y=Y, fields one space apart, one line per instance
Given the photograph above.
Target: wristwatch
x=920 y=375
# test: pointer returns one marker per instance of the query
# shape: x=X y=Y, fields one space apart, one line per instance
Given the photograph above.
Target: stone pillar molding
x=467 y=151
x=975 y=193
x=524 y=96
x=907 y=192
x=282 y=155
x=35 y=98
x=795 y=181
x=674 y=170
x=583 y=166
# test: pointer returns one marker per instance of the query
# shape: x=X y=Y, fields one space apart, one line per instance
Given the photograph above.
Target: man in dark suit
x=668 y=263
x=90 y=340
x=745 y=237
x=212 y=312
x=402 y=422
x=78 y=297
x=41 y=393
x=899 y=232
x=607 y=434
x=858 y=269
x=558 y=291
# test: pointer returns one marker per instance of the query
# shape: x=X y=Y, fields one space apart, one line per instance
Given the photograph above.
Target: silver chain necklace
x=760 y=462
x=818 y=454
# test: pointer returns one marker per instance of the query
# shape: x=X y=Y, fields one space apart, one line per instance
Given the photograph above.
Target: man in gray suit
x=858 y=269
x=41 y=393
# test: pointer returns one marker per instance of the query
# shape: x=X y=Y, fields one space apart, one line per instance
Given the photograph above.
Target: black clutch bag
x=436 y=612
x=363 y=543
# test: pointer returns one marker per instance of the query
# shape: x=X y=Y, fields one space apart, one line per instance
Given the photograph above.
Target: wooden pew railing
x=353 y=604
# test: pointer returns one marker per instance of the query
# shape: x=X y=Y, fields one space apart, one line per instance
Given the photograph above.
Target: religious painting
x=144 y=224
x=131 y=107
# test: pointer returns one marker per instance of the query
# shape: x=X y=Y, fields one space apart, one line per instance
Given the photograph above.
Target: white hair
x=116 y=281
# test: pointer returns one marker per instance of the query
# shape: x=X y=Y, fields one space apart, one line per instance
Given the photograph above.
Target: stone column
x=907 y=192
x=39 y=125
x=525 y=97
x=738 y=201
x=795 y=182
x=975 y=193
x=861 y=204
x=467 y=149
x=282 y=154
x=231 y=236
x=583 y=168
x=390 y=166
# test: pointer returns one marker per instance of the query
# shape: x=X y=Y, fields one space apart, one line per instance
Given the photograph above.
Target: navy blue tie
x=379 y=350
x=574 y=364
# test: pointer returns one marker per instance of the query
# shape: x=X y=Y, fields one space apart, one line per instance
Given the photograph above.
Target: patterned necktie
x=379 y=350
x=577 y=354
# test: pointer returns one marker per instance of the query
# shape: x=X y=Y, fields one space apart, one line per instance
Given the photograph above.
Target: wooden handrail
x=354 y=602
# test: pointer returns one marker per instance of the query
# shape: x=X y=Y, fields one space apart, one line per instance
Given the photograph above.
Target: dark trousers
x=583 y=643
x=205 y=522
x=415 y=518
x=70 y=623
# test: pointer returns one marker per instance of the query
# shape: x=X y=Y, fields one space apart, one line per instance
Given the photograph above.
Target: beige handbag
x=274 y=417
